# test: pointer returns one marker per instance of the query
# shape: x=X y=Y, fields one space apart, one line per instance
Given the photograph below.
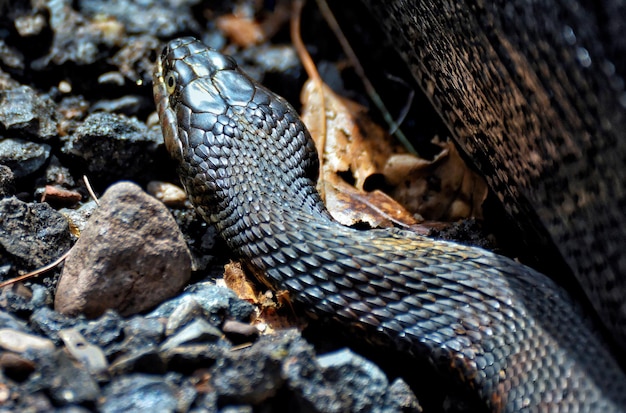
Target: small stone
x=401 y=398
x=7 y=320
x=188 y=310
x=55 y=195
x=189 y=358
x=7 y=181
x=16 y=367
x=355 y=378
x=304 y=377
x=141 y=360
x=24 y=111
x=103 y=332
x=78 y=217
x=32 y=234
x=139 y=393
x=170 y=194
x=23 y=157
x=130 y=257
x=49 y=322
x=218 y=302
x=197 y=331
x=253 y=374
x=142 y=332
x=89 y=355
x=113 y=147
x=19 y=342
x=65 y=380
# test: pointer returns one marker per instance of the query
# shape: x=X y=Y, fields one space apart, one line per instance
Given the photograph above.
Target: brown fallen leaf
x=243 y=29
x=340 y=129
x=353 y=146
x=274 y=310
x=443 y=189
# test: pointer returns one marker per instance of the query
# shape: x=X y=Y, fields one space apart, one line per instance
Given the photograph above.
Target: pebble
x=362 y=382
x=23 y=157
x=112 y=147
x=23 y=111
x=197 y=331
x=20 y=342
x=218 y=302
x=32 y=234
x=188 y=310
x=139 y=393
x=7 y=181
x=130 y=257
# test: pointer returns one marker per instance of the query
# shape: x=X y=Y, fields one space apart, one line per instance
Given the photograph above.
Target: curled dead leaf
x=354 y=151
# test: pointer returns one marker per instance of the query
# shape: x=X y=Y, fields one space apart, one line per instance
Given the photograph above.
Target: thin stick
x=369 y=88
x=90 y=189
x=38 y=271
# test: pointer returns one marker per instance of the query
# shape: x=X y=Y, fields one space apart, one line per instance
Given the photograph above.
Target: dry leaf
x=442 y=189
x=245 y=30
x=352 y=145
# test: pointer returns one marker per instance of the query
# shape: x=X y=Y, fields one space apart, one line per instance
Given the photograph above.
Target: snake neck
x=251 y=178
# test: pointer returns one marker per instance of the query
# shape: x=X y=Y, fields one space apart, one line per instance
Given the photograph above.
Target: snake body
x=249 y=166
x=534 y=92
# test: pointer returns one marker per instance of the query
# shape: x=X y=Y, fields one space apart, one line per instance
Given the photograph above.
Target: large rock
x=130 y=257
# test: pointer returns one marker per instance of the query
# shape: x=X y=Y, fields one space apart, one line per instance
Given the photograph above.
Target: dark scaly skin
x=534 y=93
x=249 y=166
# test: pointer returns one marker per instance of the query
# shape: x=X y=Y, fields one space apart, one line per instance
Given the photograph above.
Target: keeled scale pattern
x=248 y=165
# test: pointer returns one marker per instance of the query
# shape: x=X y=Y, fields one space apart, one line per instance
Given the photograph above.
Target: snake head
x=226 y=132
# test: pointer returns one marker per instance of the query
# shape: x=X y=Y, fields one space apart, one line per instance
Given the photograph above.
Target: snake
x=249 y=167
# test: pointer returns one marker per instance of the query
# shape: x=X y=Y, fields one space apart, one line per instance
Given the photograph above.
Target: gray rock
x=19 y=342
x=237 y=409
x=113 y=147
x=139 y=393
x=66 y=381
x=355 y=378
x=104 y=331
x=188 y=310
x=166 y=20
x=49 y=322
x=22 y=300
x=79 y=217
x=130 y=257
x=23 y=157
x=191 y=357
x=24 y=111
x=91 y=356
x=304 y=377
x=142 y=332
x=218 y=302
x=145 y=359
x=7 y=320
x=32 y=234
x=254 y=374
x=401 y=398
x=7 y=181
x=197 y=331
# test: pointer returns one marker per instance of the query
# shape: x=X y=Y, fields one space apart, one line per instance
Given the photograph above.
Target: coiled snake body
x=249 y=166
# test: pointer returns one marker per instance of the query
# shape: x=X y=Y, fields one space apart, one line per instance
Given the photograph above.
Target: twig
x=369 y=88
x=90 y=189
x=37 y=271
x=311 y=70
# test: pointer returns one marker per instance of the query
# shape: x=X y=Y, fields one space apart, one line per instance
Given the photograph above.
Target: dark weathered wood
x=533 y=92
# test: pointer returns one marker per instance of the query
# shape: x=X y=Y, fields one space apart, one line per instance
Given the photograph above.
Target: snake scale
x=249 y=166
x=534 y=92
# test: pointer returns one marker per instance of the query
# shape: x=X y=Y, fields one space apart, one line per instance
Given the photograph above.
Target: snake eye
x=170 y=82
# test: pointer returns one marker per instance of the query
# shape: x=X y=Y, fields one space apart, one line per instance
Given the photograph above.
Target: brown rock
x=130 y=257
